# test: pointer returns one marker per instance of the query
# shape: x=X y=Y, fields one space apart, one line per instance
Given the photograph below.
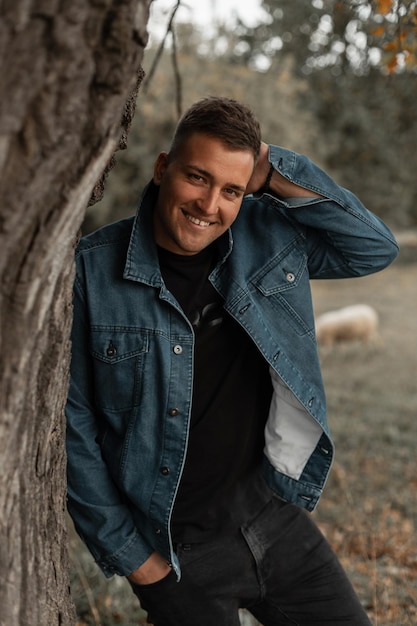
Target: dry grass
x=368 y=511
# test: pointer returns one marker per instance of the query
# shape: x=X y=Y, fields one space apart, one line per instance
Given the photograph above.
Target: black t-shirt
x=220 y=485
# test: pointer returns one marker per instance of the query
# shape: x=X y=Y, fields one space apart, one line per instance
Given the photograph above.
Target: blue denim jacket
x=132 y=366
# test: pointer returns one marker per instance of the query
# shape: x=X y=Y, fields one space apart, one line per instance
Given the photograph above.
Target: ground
x=368 y=510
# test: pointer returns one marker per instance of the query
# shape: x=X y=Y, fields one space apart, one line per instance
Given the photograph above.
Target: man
x=196 y=415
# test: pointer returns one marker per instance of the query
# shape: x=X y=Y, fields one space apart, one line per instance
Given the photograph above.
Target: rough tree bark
x=69 y=73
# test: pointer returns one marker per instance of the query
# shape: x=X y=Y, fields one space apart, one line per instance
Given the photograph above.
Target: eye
x=233 y=193
x=196 y=177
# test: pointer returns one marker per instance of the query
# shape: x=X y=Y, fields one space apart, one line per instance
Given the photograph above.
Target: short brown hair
x=224 y=118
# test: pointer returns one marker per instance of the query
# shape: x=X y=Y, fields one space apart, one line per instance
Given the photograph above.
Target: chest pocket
x=118 y=357
x=285 y=283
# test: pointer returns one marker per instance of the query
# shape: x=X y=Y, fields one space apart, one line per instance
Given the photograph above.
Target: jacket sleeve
x=344 y=238
x=100 y=515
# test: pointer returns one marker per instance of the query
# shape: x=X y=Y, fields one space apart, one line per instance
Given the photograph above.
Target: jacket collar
x=142 y=257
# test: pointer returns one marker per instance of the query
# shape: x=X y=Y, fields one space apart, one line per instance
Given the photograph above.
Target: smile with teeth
x=195 y=220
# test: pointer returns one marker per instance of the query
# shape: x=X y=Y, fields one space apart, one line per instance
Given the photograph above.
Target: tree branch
x=177 y=75
x=160 y=50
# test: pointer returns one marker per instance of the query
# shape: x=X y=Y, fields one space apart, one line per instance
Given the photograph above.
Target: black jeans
x=278 y=566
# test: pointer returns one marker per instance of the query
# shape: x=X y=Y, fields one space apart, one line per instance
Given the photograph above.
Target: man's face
x=201 y=190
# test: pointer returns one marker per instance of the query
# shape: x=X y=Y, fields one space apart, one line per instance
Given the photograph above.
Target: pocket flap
x=282 y=274
x=112 y=345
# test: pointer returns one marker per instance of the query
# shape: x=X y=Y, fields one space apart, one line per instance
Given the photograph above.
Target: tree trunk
x=69 y=77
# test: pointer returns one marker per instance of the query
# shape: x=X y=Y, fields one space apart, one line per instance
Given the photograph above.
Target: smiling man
x=200 y=192
x=197 y=433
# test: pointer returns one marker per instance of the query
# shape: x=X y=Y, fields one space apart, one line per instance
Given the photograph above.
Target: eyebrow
x=208 y=175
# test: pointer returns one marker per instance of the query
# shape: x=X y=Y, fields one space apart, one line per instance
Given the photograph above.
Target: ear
x=160 y=166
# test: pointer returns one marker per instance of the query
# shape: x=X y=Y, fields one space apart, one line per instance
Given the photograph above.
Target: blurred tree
x=368 y=126
x=69 y=78
x=393 y=28
x=353 y=35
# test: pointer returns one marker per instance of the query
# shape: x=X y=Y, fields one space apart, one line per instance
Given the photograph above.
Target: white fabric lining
x=291 y=434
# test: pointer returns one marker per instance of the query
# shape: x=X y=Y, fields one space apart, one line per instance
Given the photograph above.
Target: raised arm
x=343 y=237
x=276 y=182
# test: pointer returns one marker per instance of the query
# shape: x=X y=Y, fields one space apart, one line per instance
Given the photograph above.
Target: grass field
x=368 y=510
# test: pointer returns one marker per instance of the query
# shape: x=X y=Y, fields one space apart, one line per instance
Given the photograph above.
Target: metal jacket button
x=177 y=349
x=173 y=412
x=165 y=471
x=111 y=350
x=290 y=277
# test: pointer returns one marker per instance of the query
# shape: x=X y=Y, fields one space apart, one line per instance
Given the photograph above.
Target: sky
x=204 y=12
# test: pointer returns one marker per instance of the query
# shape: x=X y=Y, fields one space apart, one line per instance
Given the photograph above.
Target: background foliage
x=317 y=74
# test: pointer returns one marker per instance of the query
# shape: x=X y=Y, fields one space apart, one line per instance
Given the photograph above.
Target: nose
x=208 y=202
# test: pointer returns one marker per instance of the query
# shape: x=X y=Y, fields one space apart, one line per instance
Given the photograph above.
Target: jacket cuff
x=123 y=562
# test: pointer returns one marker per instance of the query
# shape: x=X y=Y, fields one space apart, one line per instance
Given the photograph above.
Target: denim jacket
x=132 y=365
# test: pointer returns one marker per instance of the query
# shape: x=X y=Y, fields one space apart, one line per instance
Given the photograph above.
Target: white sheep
x=351 y=323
